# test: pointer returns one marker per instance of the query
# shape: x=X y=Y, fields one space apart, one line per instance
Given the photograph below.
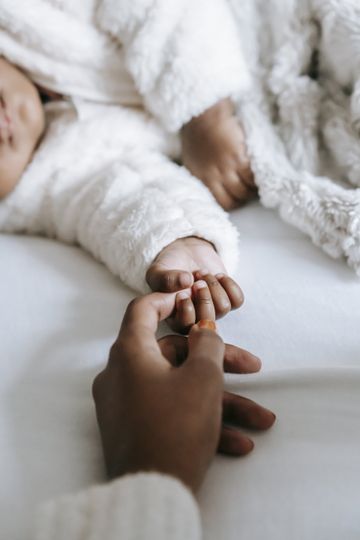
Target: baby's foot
x=214 y=150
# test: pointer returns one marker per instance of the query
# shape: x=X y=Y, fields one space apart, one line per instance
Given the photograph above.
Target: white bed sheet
x=60 y=313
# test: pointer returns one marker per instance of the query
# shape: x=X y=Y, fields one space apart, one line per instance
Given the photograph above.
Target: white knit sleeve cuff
x=135 y=507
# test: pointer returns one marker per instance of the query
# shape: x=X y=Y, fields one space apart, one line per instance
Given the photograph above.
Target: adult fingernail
x=203 y=272
x=219 y=276
x=207 y=324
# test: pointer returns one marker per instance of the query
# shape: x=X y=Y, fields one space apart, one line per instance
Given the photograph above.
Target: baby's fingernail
x=200 y=285
x=207 y=324
x=219 y=276
x=183 y=295
x=203 y=272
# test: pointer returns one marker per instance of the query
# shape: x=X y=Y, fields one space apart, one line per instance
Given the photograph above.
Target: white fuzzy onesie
x=103 y=175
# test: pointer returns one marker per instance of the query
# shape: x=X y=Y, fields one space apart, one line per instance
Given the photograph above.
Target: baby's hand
x=214 y=150
x=210 y=297
x=188 y=259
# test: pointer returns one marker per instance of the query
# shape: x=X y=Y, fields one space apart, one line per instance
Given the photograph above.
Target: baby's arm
x=124 y=212
x=185 y=77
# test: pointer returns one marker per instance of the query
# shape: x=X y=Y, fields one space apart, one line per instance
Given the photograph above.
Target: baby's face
x=22 y=122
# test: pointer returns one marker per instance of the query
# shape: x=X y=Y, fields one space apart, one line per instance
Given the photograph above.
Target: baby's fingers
x=219 y=296
x=232 y=289
x=189 y=310
x=225 y=292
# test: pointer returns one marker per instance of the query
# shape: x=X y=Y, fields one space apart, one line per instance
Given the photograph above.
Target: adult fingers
x=205 y=346
x=184 y=316
x=206 y=355
x=147 y=311
x=244 y=412
x=234 y=443
x=164 y=280
x=232 y=289
x=238 y=360
x=137 y=338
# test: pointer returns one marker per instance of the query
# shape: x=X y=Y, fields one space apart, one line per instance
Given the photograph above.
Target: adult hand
x=160 y=406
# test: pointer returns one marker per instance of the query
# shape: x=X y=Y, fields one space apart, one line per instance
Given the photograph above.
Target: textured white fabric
x=102 y=176
x=184 y=55
x=301 y=124
x=61 y=311
x=137 y=507
x=121 y=198
x=170 y=48
x=59 y=47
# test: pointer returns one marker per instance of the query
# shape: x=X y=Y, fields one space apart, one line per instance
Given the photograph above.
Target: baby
x=102 y=174
x=22 y=125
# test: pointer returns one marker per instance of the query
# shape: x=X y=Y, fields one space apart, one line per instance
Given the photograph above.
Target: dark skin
x=214 y=150
x=160 y=402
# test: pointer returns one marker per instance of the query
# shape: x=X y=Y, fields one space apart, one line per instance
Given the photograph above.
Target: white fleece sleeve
x=184 y=56
x=123 y=206
x=136 y=507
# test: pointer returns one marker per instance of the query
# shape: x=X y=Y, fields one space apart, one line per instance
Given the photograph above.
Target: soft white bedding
x=60 y=312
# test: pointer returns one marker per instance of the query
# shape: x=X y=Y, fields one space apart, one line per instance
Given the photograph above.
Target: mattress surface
x=61 y=311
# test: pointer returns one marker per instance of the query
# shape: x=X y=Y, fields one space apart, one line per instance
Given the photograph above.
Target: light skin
x=22 y=123
x=214 y=150
x=161 y=406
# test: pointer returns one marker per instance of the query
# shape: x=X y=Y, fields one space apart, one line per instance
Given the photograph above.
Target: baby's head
x=22 y=122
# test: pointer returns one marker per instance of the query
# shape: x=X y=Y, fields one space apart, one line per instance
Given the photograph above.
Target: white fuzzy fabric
x=184 y=55
x=136 y=507
x=302 y=131
x=103 y=175
x=102 y=179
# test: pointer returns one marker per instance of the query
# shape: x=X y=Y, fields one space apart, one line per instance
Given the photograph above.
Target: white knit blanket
x=302 y=116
